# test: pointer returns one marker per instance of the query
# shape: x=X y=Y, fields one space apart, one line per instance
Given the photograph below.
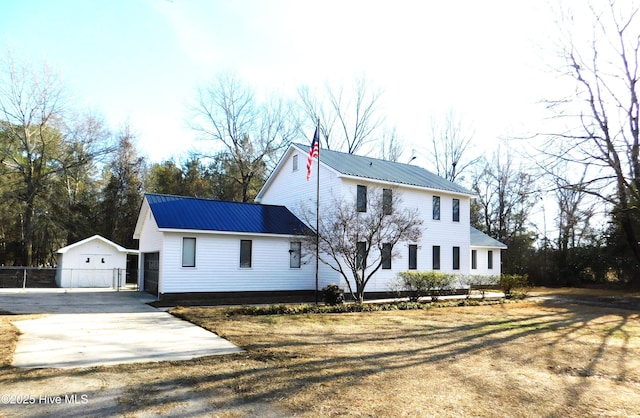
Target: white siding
x=482 y=266
x=218 y=265
x=291 y=189
x=444 y=232
x=91 y=264
x=151 y=241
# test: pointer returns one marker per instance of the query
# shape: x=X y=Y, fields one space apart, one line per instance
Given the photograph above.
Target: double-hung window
x=489 y=259
x=436 y=208
x=387 y=199
x=413 y=256
x=295 y=251
x=245 y=253
x=435 y=257
x=361 y=255
x=188 y=252
x=361 y=198
x=456 y=258
x=386 y=256
x=456 y=210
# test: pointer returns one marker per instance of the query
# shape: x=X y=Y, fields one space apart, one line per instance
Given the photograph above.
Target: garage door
x=151 y=272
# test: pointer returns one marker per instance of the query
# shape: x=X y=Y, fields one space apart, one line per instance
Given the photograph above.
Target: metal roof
x=102 y=239
x=180 y=212
x=383 y=170
x=480 y=239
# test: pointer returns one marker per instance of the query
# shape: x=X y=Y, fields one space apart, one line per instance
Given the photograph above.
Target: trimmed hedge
x=352 y=307
x=426 y=283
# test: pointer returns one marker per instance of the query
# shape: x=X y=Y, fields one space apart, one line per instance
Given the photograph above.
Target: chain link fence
x=48 y=277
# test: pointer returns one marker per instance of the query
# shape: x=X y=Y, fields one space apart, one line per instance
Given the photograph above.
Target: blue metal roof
x=383 y=170
x=180 y=212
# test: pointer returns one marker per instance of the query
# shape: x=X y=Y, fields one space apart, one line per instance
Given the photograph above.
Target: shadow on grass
x=278 y=367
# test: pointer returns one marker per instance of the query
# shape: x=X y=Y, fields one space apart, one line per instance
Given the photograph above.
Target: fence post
x=24 y=278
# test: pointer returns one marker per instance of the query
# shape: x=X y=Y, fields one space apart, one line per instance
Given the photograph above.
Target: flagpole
x=318 y=209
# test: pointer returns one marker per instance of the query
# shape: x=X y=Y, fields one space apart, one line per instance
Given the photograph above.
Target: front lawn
x=523 y=359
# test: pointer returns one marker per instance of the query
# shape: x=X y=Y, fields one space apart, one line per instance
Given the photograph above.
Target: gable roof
x=383 y=170
x=190 y=213
x=96 y=238
x=480 y=239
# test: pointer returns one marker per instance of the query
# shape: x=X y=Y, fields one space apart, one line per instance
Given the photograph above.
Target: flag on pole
x=313 y=153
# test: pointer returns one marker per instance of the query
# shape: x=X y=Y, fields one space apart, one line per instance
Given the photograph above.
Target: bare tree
x=40 y=140
x=349 y=118
x=575 y=211
x=451 y=143
x=248 y=133
x=391 y=148
x=506 y=197
x=600 y=117
x=355 y=244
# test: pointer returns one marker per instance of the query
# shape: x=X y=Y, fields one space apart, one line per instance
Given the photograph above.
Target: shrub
x=514 y=283
x=332 y=295
x=428 y=283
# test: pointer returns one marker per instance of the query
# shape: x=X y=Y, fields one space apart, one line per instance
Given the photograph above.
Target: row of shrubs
x=416 y=285
x=351 y=307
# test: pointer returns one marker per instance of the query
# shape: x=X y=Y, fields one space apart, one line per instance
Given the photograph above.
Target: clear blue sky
x=141 y=60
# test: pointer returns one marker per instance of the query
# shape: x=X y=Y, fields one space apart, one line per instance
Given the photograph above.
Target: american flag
x=313 y=153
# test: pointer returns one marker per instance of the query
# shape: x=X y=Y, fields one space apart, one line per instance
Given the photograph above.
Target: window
x=387 y=198
x=436 y=257
x=456 y=258
x=474 y=259
x=295 y=251
x=361 y=255
x=295 y=162
x=188 y=252
x=362 y=199
x=245 y=253
x=490 y=259
x=413 y=257
x=436 y=208
x=456 y=210
x=386 y=256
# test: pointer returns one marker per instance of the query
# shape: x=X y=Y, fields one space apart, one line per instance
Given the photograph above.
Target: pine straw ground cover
x=524 y=359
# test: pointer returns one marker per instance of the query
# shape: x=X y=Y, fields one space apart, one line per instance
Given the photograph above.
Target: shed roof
x=480 y=239
x=383 y=170
x=119 y=248
x=180 y=212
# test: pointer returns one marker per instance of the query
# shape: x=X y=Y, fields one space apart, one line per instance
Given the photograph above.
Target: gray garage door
x=151 y=272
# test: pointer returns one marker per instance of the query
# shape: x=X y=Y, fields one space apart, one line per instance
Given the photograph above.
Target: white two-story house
x=230 y=252
x=448 y=241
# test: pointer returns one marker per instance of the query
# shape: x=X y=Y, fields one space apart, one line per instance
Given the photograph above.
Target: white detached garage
x=92 y=262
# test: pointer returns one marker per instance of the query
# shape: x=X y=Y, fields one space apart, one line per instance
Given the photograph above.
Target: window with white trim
x=188 y=252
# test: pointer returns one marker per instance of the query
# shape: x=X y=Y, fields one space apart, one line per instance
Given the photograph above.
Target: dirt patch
x=521 y=359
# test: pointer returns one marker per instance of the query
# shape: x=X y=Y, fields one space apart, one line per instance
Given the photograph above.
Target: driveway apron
x=85 y=328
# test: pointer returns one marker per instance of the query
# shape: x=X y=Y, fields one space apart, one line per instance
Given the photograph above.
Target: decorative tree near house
x=356 y=244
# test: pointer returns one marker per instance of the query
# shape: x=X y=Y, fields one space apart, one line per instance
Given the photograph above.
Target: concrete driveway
x=93 y=327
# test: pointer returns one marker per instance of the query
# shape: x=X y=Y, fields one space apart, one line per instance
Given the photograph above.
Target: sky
x=141 y=61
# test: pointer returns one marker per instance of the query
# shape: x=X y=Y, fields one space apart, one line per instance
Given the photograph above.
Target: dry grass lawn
x=521 y=360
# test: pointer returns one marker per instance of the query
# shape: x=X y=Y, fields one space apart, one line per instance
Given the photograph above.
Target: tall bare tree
x=451 y=144
x=247 y=133
x=353 y=243
x=350 y=118
x=506 y=196
x=391 y=147
x=599 y=119
x=41 y=141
